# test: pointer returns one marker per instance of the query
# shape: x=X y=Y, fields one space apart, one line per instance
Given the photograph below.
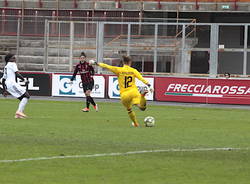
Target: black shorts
x=88 y=86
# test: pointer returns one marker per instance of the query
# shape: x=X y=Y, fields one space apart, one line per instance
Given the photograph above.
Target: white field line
x=122 y=154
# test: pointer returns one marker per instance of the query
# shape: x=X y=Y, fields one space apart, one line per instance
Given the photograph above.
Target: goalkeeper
x=128 y=90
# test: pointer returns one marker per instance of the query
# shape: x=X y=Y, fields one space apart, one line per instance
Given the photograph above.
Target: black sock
x=91 y=100
x=87 y=102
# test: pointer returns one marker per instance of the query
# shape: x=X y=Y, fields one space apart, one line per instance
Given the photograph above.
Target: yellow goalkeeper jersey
x=126 y=76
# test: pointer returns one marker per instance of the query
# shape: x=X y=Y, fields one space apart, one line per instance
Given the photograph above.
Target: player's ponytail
x=83 y=54
x=126 y=59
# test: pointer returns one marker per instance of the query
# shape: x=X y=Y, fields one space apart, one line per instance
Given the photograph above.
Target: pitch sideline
x=122 y=154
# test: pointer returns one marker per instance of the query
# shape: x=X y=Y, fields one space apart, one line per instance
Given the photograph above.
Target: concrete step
x=30 y=67
x=58 y=68
x=32 y=43
x=58 y=60
x=8 y=40
x=55 y=52
x=30 y=59
x=30 y=51
x=3 y=52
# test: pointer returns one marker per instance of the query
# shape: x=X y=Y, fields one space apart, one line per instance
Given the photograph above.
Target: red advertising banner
x=223 y=91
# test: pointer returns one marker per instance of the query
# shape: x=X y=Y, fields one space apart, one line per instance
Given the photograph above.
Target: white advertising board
x=114 y=87
x=61 y=86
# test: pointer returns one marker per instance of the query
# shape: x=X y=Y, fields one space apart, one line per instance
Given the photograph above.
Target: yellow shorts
x=131 y=97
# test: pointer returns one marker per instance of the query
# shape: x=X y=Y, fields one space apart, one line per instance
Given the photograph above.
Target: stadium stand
x=32 y=14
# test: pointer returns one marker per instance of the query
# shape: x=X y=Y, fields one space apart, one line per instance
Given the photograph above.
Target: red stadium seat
x=215 y=1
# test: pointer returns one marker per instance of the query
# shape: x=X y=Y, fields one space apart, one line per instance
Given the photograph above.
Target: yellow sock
x=143 y=102
x=133 y=117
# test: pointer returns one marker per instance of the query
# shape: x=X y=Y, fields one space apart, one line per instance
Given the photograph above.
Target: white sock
x=22 y=104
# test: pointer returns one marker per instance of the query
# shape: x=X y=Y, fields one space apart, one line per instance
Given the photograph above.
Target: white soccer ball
x=92 y=62
x=149 y=121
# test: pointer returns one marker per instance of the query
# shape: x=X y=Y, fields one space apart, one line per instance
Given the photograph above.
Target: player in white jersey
x=10 y=85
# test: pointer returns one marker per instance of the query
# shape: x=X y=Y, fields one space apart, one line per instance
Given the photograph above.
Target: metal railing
x=158 y=47
x=159 y=5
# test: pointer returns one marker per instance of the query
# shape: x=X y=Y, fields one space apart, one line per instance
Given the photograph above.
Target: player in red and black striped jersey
x=86 y=72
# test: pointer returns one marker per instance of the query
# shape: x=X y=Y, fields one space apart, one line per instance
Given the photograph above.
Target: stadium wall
x=174 y=89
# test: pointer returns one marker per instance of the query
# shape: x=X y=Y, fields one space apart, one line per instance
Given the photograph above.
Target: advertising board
x=113 y=89
x=39 y=83
x=61 y=86
x=226 y=91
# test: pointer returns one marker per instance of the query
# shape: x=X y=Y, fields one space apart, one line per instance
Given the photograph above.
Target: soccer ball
x=149 y=121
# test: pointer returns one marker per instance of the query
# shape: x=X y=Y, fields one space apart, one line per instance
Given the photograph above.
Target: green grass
x=60 y=128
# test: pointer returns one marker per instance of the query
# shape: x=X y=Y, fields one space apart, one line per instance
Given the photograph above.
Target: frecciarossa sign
x=209 y=90
x=227 y=91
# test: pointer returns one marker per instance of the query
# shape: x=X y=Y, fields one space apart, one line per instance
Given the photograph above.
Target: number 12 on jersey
x=127 y=81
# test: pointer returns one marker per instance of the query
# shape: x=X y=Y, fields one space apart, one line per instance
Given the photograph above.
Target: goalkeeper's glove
x=92 y=62
x=150 y=88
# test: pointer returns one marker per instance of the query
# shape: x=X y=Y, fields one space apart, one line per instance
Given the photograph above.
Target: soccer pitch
x=59 y=144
